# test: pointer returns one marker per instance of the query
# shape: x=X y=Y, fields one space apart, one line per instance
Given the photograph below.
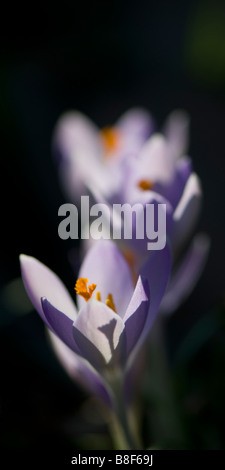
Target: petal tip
x=24 y=260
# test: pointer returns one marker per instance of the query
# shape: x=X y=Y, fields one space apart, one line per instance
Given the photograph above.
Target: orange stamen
x=82 y=289
x=86 y=292
x=110 y=303
x=98 y=296
x=145 y=185
x=110 y=138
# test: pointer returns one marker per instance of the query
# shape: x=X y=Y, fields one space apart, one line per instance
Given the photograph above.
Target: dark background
x=103 y=58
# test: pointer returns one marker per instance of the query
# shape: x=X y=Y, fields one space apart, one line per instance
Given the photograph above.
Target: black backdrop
x=101 y=58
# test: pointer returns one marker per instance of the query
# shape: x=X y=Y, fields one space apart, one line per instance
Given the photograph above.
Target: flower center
x=145 y=185
x=110 y=138
x=86 y=292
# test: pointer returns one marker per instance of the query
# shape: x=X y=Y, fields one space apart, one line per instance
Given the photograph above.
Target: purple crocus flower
x=189 y=253
x=113 y=317
x=154 y=175
x=145 y=168
x=158 y=174
x=89 y=156
x=162 y=173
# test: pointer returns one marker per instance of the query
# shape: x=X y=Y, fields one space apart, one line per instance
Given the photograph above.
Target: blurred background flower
x=103 y=60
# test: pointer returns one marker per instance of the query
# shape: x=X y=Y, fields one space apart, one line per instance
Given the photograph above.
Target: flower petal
x=136 y=314
x=136 y=121
x=155 y=162
x=74 y=131
x=40 y=281
x=186 y=212
x=176 y=131
x=99 y=333
x=157 y=271
x=174 y=189
x=79 y=369
x=103 y=181
x=105 y=266
x=186 y=275
x=184 y=168
x=60 y=324
x=77 y=146
x=144 y=217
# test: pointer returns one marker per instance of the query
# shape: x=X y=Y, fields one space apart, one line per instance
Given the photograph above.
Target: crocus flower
x=87 y=155
x=189 y=252
x=156 y=175
x=147 y=168
x=112 y=318
x=162 y=173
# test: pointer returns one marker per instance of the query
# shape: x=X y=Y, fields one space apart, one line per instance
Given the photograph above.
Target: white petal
x=105 y=266
x=100 y=327
x=187 y=212
x=155 y=162
x=75 y=131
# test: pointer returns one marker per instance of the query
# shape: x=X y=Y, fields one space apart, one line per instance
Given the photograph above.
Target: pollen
x=145 y=185
x=83 y=289
x=110 y=303
x=110 y=138
x=86 y=292
x=98 y=296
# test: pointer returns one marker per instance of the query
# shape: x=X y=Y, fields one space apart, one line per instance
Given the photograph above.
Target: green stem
x=120 y=424
x=166 y=422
